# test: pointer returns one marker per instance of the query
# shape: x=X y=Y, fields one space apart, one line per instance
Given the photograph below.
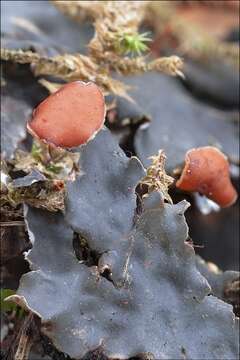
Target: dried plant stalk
x=171 y=65
x=20 y=56
x=79 y=67
x=66 y=67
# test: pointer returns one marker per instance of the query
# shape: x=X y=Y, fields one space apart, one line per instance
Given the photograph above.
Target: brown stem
x=25 y=338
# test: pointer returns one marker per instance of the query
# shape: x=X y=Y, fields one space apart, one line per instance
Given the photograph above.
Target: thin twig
x=26 y=339
x=12 y=223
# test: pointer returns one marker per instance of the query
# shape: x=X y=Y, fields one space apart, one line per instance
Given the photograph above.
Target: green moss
x=133 y=43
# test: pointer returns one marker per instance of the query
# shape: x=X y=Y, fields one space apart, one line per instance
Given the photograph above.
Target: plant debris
x=47 y=194
x=156 y=178
x=54 y=163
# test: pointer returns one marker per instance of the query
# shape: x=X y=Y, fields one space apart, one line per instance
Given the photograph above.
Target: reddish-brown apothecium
x=207 y=171
x=69 y=117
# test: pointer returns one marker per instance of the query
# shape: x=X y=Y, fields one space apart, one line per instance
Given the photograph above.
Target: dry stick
x=29 y=333
x=26 y=339
x=22 y=341
x=12 y=223
x=23 y=349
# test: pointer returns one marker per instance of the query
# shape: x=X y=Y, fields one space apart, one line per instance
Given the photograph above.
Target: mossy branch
x=79 y=67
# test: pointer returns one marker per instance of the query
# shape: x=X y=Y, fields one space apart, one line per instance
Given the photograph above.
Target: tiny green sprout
x=54 y=168
x=133 y=43
x=36 y=152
